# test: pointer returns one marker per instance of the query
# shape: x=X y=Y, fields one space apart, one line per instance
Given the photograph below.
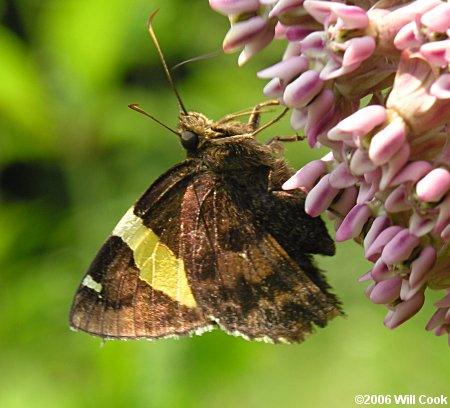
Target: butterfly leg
x=294 y=138
x=253 y=121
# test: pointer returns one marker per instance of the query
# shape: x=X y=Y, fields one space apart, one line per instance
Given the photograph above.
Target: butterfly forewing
x=136 y=286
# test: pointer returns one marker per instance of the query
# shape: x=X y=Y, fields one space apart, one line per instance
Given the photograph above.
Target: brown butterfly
x=213 y=242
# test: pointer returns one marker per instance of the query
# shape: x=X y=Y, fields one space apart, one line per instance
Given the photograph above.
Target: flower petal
x=359 y=123
x=412 y=172
x=386 y=291
x=320 y=197
x=381 y=240
x=386 y=143
x=379 y=224
x=228 y=7
x=286 y=69
x=437 y=19
x=405 y=310
x=422 y=266
x=301 y=91
x=399 y=248
x=358 y=50
x=434 y=185
x=380 y=272
x=441 y=87
x=243 y=32
x=397 y=200
x=360 y=163
x=346 y=201
x=353 y=222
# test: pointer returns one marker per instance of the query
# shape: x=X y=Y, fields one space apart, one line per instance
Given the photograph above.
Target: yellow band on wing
x=158 y=265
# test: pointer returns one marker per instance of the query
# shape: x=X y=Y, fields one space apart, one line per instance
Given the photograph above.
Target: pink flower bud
x=298 y=118
x=436 y=320
x=307 y=176
x=437 y=53
x=346 y=201
x=366 y=277
x=320 y=113
x=422 y=266
x=441 y=87
x=320 y=10
x=320 y=197
x=366 y=192
x=434 y=185
x=444 y=302
x=443 y=218
x=443 y=330
x=412 y=172
x=297 y=33
x=284 y=5
x=394 y=166
x=334 y=69
x=420 y=225
x=228 y=7
x=286 y=69
x=313 y=43
x=301 y=91
x=360 y=163
x=359 y=123
x=369 y=289
x=293 y=49
x=445 y=234
x=357 y=50
x=380 y=272
x=353 y=223
x=397 y=200
x=256 y=45
x=274 y=88
x=438 y=18
x=407 y=36
x=386 y=291
x=351 y=17
x=379 y=224
x=387 y=142
x=341 y=177
x=243 y=32
x=405 y=290
x=399 y=248
x=380 y=241
x=369 y=186
x=405 y=310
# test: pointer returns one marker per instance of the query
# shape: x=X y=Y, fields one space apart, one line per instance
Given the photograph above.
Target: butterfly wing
x=241 y=276
x=136 y=287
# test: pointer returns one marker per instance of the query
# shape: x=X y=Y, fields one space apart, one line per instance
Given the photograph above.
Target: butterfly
x=213 y=242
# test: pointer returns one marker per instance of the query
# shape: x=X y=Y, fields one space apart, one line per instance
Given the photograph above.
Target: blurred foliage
x=73 y=158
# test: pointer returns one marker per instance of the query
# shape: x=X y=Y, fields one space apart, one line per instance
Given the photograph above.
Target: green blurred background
x=73 y=158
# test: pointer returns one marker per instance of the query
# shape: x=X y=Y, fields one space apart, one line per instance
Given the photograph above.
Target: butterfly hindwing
x=241 y=276
x=136 y=286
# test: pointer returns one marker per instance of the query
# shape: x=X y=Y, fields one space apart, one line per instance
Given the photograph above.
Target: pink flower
x=373 y=85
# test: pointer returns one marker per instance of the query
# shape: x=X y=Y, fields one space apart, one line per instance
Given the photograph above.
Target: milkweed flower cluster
x=370 y=80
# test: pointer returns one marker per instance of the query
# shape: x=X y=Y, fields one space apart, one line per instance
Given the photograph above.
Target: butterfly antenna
x=212 y=54
x=136 y=107
x=166 y=68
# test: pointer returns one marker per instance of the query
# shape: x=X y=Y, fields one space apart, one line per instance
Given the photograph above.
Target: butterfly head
x=197 y=132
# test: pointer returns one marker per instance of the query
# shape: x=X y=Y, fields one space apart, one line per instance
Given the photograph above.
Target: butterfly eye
x=189 y=140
